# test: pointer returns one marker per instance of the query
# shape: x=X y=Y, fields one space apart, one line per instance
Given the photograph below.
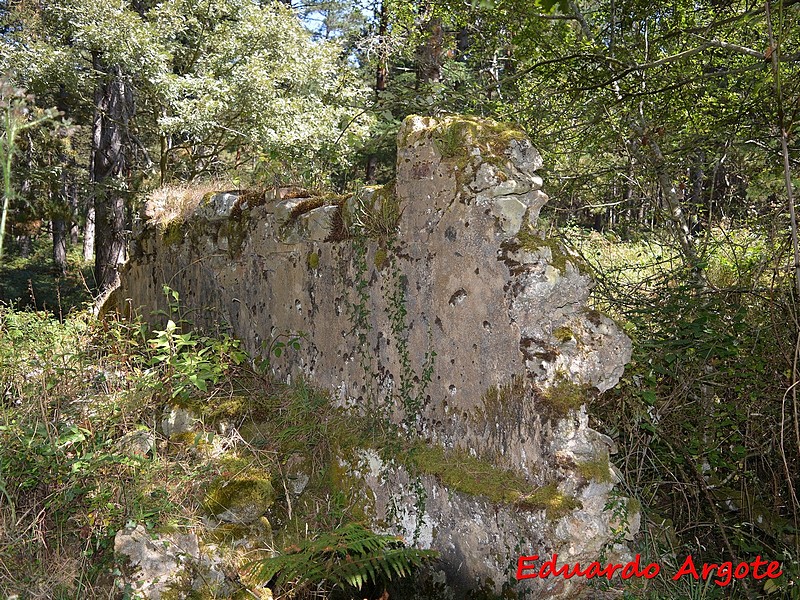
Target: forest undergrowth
x=82 y=456
x=705 y=415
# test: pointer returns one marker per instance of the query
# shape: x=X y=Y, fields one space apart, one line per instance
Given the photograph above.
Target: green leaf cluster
x=189 y=361
x=348 y=557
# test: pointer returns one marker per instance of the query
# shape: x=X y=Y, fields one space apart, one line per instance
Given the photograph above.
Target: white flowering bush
x=214 y=79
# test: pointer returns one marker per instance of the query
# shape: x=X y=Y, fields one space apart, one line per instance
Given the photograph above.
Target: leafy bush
x=74 y=395
x=703 y=412
x=185 y=362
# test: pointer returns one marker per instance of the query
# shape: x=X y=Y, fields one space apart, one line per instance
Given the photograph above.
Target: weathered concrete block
x=494 y=353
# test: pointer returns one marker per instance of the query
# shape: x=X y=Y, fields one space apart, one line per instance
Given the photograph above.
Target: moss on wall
x=563 y=396
x=597 y=469
x=243 y=489
x=455 y=135
x=172 y=233
x=467 y=474
x=555 y=503
x=563 y=334
x=501 y=404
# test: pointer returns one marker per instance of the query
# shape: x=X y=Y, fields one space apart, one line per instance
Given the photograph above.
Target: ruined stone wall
x=437 y=301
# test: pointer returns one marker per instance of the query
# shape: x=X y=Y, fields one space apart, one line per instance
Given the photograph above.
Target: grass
x=175 y=203
x=35 y=283
x=70 y=392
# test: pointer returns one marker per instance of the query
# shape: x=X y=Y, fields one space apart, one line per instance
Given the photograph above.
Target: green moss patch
x=172 y=233
x=548 y=498
x=464 y=473
x=563 y=334
x=564 y=396
x=381 y=258
x=532 y=242
x=597 y=469
x=454 y=136
x=242 y=496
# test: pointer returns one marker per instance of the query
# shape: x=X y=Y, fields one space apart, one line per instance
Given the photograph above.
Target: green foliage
x=70 y=394
x=705 y=391
x=376 y=215
x=210 y=79
x=30 y=282
x=275 y=348
x=189 y=362
x=19 y=114
x=346 y=558
x=57 y=457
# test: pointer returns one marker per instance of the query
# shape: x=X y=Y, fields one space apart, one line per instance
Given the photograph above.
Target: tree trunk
x=671 y=204
x=88 y=232
x=381 y=76
x=60 y=219
x=60 y=230
x=109 y=165
x=430 y=53
x=74 y=230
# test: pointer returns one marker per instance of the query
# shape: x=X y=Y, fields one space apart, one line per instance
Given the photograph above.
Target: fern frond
x=350 y=556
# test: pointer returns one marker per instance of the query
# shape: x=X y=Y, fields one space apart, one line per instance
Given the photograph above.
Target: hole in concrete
x=298 y=306
x=487 y=326
x=477 y=271
x=458 y=297
x=452 y=390
x=466 y=224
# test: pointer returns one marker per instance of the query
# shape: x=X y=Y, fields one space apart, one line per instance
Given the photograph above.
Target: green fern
x=348 y=557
